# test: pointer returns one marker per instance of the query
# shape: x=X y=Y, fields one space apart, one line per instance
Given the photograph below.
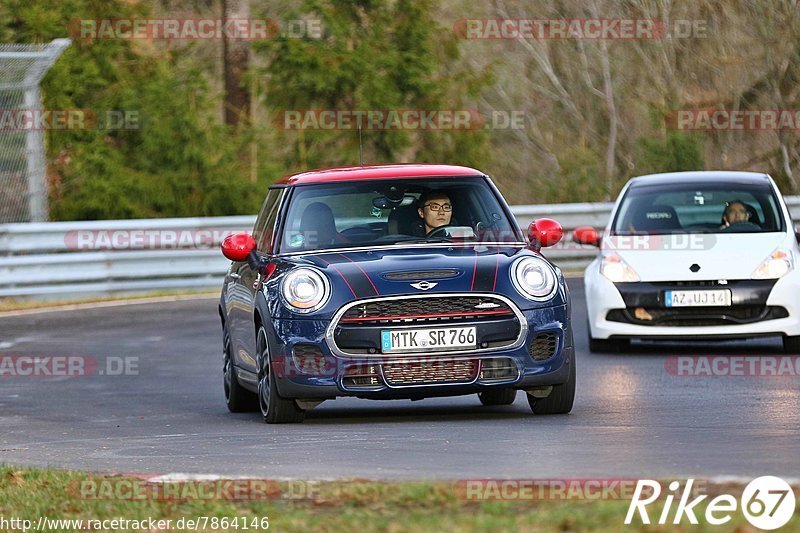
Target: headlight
x=305 y=290
x=617 y=270
x=775 y=266
x=534 y=278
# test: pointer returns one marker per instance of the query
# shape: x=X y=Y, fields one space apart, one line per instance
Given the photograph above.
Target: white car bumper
x=602 y=296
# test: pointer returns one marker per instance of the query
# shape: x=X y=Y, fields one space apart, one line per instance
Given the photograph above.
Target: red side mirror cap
x=544 y=232
x=586 y=235
x=238 y=246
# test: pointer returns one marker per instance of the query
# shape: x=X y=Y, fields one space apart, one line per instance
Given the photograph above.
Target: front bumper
x=329 y=375
x=759 y=308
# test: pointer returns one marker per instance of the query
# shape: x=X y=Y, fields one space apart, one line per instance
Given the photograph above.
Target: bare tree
x=236 y=59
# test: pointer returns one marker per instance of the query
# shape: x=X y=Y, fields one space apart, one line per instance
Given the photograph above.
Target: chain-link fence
x=23 y=184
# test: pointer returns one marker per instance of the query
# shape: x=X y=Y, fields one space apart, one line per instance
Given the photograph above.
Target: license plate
x=716 y=298
x=413 y=340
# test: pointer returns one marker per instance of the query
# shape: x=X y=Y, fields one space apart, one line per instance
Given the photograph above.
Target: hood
x=719 y=255
x=419 y=271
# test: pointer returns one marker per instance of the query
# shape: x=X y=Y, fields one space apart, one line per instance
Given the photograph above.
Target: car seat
x=656 y=218
x=404 y=220
x=318 y=226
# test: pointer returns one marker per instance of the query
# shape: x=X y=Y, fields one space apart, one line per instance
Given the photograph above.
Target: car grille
x=374 y=377
x=543 y=346
x=430 y=372
x=692 y=284
x=700 y=316
x=362 y=377
x=359 y=327
x=498 y=369
x=426 y=310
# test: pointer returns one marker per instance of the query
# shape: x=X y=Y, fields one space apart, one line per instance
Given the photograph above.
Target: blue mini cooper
x=385 y=282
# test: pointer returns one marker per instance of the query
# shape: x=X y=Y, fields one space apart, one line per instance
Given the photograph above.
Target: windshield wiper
x=427 y=241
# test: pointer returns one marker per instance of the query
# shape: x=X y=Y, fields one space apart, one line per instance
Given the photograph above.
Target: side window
x=265 y=223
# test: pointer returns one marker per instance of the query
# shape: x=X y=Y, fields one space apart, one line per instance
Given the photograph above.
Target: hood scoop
x=416 y=275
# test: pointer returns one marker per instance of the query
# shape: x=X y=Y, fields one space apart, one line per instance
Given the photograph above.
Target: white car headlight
x=534 y=278
x=305 y=290
x=617 y=270
x=778 y=264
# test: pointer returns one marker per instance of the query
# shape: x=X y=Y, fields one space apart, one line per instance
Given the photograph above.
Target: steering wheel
x=436 y=231
x=743 y=226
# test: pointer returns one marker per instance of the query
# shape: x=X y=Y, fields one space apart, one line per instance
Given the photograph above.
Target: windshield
x=387 y=212
x=698 y=208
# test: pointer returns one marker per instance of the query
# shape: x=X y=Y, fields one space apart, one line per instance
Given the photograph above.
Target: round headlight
x=534 y=278
x=305 y=290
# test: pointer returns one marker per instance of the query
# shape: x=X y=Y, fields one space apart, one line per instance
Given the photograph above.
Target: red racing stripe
x=474 y=272
x=363 y=272
x=340 y=274
x=496 y=269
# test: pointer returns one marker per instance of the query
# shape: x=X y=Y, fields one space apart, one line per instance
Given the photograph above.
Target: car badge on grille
x=424 y=285
x=487 y=305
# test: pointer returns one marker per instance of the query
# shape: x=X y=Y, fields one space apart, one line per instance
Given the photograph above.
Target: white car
x=694 y=255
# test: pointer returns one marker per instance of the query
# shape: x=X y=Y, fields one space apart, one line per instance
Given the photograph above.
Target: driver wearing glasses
x=435 y=210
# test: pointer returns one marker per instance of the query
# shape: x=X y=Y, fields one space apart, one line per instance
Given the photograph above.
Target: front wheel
x=561 y=398
x=791 y=344
x=497 y=396
x=274 y=408
x=607 y=345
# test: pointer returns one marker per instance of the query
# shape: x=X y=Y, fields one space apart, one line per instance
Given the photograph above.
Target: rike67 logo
x=767 y=502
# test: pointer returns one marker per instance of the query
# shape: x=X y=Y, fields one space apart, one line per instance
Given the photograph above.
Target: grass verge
x=306 y=506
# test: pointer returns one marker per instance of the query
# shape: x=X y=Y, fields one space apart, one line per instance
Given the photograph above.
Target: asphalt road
x=632 y=418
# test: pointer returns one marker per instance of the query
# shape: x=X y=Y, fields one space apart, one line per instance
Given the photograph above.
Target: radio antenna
x=360 y=147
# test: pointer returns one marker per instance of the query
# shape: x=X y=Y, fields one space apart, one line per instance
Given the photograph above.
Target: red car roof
x=377 y=172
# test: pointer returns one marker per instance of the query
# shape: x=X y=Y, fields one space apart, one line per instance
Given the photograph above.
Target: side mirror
x=586 y=235
x=238 y=246
x=544 y=232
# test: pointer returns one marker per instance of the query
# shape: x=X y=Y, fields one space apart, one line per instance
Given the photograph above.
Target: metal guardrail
x=53 y=260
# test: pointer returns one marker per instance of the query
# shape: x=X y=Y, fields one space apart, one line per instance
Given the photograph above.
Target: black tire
x=561 y=398
x=274 y=409
x=791 y=344
x=607 y=345
x=237 y=398
x=497 y=396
